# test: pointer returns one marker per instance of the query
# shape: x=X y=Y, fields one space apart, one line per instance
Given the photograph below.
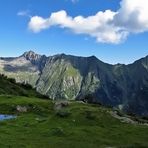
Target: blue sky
x=16 y=36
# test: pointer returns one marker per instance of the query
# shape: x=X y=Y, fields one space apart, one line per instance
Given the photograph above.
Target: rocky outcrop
x=21 y=109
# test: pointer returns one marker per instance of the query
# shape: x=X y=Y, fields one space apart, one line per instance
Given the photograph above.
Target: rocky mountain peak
x=31 y=55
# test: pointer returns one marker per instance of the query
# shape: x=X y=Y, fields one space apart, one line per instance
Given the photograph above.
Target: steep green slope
x=78 y=125
x=70 y=77
x=8 y=86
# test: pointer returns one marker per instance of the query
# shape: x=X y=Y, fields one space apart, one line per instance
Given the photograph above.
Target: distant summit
x=31 y=55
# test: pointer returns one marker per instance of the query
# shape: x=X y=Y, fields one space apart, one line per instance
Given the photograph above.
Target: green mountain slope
x=8 y=86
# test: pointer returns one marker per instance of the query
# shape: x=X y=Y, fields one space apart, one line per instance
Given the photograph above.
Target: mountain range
x=83 y=78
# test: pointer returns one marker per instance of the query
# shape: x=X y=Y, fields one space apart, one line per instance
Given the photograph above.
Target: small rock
x=21 y=108
x=60 y=104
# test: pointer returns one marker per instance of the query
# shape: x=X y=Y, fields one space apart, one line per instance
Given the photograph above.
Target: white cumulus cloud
x=107 y=27
x=133 y=16
x=38 y=23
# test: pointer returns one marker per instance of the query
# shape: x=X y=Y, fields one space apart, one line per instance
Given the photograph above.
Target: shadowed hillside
x=8 y=86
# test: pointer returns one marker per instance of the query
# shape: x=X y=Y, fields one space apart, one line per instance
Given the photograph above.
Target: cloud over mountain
x=107 y=27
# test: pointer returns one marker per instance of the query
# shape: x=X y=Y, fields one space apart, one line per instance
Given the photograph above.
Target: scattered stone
x=40 y=119
x=21 y=109
x=125 y=119
x=121 y=118
x=60 y=104
x=82 y=102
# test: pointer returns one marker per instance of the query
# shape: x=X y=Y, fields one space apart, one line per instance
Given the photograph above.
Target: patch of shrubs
x=57 y=131
x=90 y=115
x=26 y=85
x=12 y=80
x=63 y=113
x=145 y=118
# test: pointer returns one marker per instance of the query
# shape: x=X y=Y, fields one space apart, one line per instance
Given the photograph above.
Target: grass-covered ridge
x=8 y=86
x=76 y=125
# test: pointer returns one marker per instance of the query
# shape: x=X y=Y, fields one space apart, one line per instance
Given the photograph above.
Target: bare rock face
x=30 y=55
x=83 y=78
x=25 y=68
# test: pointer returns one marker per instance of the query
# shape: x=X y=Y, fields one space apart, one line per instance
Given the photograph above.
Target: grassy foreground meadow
x=76 y=126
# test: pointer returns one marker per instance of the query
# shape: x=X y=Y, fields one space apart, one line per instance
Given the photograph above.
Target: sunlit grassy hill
x=74 y=125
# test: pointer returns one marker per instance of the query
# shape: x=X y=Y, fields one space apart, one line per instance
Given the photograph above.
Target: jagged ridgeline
x=8 y=86
x=83 y=78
